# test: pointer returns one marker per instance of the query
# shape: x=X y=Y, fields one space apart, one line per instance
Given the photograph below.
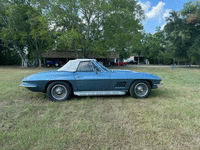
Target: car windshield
x=104 y=68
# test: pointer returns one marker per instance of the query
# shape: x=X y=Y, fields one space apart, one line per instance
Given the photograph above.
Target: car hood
x=47 y=75
x=133 y=74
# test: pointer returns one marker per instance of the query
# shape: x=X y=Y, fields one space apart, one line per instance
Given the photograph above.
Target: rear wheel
x=59 y=91
x=140 y=89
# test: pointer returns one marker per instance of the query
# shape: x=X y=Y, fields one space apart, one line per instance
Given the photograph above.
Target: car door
x=87 y=79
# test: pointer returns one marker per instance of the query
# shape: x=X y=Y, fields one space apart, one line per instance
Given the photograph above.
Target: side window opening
x=85 y=67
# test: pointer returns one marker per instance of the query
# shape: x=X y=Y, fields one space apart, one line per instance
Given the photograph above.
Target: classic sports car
x=85 y=77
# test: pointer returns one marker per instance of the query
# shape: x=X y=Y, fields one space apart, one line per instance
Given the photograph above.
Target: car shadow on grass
x=101 y=97
x=163 y=93
x=154 y=94
x=158 y=93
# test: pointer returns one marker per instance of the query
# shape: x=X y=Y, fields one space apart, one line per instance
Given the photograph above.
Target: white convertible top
x=72 y=65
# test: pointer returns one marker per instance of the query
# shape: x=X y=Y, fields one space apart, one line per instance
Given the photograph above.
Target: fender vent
x=120 y=84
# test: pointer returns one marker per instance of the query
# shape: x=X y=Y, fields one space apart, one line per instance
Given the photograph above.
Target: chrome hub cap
x=59 y=92
x=141 y=89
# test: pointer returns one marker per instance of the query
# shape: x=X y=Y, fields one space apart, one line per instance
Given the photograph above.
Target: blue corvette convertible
x=86 y=77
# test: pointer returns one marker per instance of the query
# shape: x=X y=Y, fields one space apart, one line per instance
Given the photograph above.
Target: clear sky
x=157 y=10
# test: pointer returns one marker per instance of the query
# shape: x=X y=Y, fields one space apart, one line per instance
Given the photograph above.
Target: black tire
x=59 y=91
x=140 y=89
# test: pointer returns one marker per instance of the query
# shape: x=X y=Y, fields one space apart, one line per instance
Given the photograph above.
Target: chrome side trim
x=87 y=93
x=158 y=84
x=120 y=87
x=24 y=84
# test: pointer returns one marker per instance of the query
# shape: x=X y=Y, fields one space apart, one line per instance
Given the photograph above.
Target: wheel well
x=141 y=80
x=57 y=81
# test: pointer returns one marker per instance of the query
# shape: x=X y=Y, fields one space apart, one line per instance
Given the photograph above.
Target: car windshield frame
x=104 y=69
x=96 y=67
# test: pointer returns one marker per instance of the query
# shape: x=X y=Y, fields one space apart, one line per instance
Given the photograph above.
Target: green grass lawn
x=168 y=119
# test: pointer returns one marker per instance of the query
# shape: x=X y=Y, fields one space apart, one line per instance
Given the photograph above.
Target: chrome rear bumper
x=158 y=84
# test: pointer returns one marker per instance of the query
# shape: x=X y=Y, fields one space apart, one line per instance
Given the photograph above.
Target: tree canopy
x=36 y=26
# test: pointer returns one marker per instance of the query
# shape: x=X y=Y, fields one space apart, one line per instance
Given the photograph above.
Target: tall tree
x=25 y=28
x=183 y=31
x=99 y=25
x=90 y=25
x=191 y=16
x=121 y=29
x=152 y=48
x=174 y=31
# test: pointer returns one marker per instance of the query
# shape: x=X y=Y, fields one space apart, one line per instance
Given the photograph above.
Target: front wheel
x=59 y=91
x=140 y=89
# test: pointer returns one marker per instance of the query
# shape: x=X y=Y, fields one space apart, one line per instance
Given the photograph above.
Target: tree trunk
x=24 y=63
x=44 y=60
x=139 y=58
x=190 y=62
x=76 y=51
x=85 y=53
x=40 y=64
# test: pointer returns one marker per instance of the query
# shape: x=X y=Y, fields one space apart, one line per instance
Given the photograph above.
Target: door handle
x=79 y=76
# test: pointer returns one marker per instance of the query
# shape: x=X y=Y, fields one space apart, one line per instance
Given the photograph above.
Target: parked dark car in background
x=56 y=63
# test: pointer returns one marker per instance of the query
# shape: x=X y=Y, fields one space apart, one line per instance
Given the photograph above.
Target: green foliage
x=99 y=25
x=194 y=50
x=89 y=25
x=191 y=13
x=25 y=27
x=121 y=27
x=174 y=29
x=151 y=47
x=183 y=32
x=7 y=56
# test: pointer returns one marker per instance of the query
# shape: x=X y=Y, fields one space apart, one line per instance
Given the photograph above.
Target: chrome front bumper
x=155 y=86
x=24 y=84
